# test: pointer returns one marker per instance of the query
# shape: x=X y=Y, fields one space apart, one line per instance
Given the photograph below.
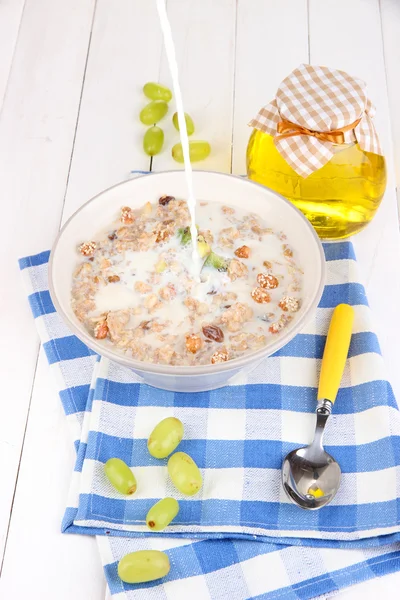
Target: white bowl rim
x=177 y=370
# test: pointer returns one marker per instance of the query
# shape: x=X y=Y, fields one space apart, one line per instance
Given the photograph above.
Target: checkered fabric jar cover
x=312 y=101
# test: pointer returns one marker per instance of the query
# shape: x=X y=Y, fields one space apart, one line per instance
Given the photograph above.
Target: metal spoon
x=310 y=476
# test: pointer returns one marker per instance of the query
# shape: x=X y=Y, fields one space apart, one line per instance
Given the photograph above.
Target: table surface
x=71 y=73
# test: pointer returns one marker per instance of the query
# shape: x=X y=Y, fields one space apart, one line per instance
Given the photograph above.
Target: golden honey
x=339 y=199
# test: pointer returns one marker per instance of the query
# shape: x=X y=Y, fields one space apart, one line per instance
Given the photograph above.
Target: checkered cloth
x=320 y=100
x=240 y=538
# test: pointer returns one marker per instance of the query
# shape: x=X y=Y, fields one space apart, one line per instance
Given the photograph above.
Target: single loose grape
x=120 y=476
x=153 y=112
x=153 y=140
x=184 y=473
x=189 y=123
x=143 y=565
x=165 y=437
x=156 y=91
x=161 y=514
x=198 y=150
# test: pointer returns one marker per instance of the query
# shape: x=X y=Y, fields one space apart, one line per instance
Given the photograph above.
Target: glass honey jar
x=315 y=144
x=339 y=199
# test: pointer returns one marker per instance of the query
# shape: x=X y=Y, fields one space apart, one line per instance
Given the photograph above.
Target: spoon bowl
x=308 y=482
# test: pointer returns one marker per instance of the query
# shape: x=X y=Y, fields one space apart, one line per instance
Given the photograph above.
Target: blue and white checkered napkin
x=239 y=538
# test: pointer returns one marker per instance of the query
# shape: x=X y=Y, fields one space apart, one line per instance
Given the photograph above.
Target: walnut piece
x=87 y=248
x=193 y=343
x=220 y=356
x=164 y=200
x=127 y=216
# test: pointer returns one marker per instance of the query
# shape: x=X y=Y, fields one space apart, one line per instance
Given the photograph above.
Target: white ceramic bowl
x=99 y=212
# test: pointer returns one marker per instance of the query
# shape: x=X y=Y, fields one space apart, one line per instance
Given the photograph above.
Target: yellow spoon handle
x=335 y=352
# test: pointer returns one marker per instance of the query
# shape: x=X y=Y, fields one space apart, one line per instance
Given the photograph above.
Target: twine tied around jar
x=314 y=109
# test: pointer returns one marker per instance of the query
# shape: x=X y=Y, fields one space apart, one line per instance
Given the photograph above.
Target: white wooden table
x=71 y=73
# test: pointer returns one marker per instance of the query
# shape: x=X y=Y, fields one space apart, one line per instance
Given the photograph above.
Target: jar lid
x=315 y=108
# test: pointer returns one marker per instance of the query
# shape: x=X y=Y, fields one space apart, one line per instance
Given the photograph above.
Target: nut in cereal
x=164 y=200
x=220 y=356
x=267 y=281
x=87 y=248
x=289 y=304
x=101 y=330
x=260 y=296
x=127 y=216
x=243 y=252
x=193 y=343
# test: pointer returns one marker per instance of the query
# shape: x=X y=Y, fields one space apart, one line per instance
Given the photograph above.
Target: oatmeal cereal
x=236 y=269
x=280 y=324
x=134 y=291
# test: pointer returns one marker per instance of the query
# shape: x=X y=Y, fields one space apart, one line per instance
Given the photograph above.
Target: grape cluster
x=153 y=140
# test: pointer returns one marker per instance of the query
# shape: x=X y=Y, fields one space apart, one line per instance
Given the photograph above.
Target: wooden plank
x=107 y=145
x=10 y=18
x=55 y=565
x=204 y=36
x=125 y=54
x=390 y=15
x=359 y=51
x=36 y=134
x=265 y=53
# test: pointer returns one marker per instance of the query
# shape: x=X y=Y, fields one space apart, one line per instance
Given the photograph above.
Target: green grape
x=202 y=247
x=120 y=476
x=184 y=473
x=198 y=150
x=143 y=566
x=216 y=262
x=165 y=437
x=156 y=91
x=153 y=140
x=161 y=514
x=189 y=123
x=153 y=112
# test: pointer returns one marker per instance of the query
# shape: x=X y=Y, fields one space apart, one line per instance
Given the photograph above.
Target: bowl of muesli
x=122 y=276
